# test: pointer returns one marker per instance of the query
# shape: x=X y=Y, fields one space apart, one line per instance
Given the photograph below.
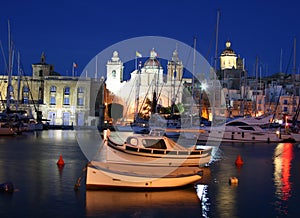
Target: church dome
x=228 y=51
x=152 y=62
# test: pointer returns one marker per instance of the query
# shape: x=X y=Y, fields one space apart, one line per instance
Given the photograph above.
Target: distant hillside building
x=233 y=76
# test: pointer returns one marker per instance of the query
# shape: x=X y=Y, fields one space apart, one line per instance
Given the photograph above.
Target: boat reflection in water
x=283 y=156
x=188 y=201
x=174 y=203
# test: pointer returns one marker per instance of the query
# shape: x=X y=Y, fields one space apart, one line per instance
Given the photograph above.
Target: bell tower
x=228 y=58
x=114 y=73
x=175 y=67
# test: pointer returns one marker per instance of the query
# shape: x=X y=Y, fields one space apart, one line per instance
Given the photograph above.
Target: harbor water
x=268 y=183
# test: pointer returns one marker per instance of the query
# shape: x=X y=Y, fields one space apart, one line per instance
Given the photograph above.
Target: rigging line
x=127 y=100
x=4 y=58
x=184 y=70
x=284 y=78
x=160 y=91
x=146 y=95
x=27 y=83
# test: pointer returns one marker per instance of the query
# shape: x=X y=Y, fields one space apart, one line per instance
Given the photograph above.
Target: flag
x=75 y=65
x=137 y=54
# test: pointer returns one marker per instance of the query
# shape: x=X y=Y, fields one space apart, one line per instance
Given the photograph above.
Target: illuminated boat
x=155 y=150
x=101 y=175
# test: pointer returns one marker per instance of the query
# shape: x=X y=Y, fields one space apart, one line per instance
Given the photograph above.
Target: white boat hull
x=187 y=158
x=112 y=175
x=239 y=137
x=246 y=137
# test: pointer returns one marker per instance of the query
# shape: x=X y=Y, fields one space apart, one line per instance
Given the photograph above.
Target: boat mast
x=193 y=81
x=295 y=117
x=215 y=66
x=256 y=86
x=294 y=69
x=9 y=69
x=137 y=92
x=19 y=82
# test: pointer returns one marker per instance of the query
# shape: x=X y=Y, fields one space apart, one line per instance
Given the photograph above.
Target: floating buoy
x=7 y=187
x=60 y=162
x=233 y=181
x=239 y=161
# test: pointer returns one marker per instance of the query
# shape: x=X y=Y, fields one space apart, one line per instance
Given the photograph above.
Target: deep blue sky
x=75 y=31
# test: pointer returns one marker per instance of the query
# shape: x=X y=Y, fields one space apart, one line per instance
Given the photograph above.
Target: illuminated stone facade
x=143 y=82
x=63 y=100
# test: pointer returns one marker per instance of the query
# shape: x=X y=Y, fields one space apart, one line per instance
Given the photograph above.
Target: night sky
x=75 y=31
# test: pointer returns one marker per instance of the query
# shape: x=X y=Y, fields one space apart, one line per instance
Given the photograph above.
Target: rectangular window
x=67 y=91
x=80 y=101
x=25 y=100
x=80 y=90
x=52 y=100
x=66 y=100
x=285 y=109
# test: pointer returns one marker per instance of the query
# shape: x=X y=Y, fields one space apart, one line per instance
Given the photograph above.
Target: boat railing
x=163 y=151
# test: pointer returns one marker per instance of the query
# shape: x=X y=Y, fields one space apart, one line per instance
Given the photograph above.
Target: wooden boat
x=126 y=176
x=6 y=129
x=154 y=150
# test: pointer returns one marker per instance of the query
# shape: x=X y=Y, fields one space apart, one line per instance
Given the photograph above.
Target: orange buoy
x=60 y=162
x=233 y=181
x=239 y=161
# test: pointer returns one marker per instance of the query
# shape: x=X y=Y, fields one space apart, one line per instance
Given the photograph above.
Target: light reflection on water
x=269 y=183
x=283 y=156
x=175 y=203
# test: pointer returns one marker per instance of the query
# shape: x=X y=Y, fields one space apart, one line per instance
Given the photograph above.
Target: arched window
x=53 y=89
x=114 y=74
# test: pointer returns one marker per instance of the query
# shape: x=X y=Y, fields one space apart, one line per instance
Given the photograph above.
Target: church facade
x=145 y=82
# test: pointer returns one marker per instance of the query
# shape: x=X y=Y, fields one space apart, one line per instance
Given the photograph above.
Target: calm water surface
x=269 y=183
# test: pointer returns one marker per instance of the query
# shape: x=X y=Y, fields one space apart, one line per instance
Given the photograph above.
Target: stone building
x=61 y=100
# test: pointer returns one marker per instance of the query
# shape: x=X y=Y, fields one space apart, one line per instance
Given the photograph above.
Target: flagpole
x=96 y=70
x=73 y=69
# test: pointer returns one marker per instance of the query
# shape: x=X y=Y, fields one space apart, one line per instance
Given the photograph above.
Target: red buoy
x=239 y=161
x=60 y=162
